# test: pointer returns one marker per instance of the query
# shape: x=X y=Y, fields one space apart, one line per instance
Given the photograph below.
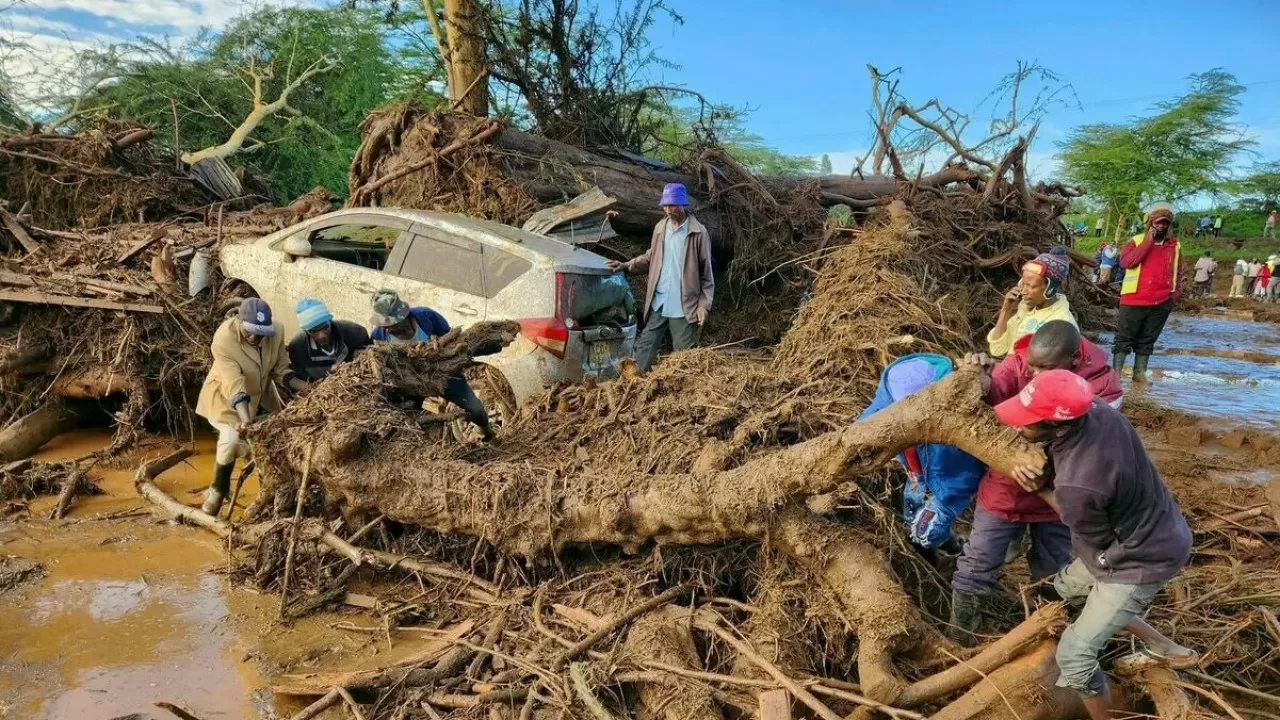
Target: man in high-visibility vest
x=1152 y=283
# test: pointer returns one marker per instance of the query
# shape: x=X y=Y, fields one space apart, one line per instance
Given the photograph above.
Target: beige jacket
x=241 y=370
x=697 y=285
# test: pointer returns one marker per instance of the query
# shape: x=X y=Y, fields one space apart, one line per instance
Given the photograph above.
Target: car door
x=349 y=259
x=444 y=272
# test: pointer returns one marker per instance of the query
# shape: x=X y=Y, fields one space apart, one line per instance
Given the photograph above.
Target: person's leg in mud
x=651 y=341
x=684 y=334
x=1148 y=333
x=1050 y=549
x=458 y=391
x=1108 y=608
x=231 y=447
x=977 y=570
x=1128 y=323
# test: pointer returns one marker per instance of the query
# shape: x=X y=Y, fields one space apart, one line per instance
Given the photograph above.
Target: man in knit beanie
x=323 y=342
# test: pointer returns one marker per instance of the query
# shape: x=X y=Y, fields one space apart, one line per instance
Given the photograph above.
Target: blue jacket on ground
x=942 y=480
x=429 y=321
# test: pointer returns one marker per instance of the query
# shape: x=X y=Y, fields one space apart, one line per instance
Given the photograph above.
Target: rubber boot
x=218 y=491
x=1140 y=368
x=966 y=616
x=1117 y=362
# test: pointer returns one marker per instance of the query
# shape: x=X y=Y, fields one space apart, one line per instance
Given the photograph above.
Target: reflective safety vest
x=1130 y=284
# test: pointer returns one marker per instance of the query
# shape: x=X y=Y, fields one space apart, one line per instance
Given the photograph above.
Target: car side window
x=363 y=244
x=445 y=262
x=501 y=268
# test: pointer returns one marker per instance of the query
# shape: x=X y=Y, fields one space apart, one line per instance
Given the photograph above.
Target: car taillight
x=551 y=334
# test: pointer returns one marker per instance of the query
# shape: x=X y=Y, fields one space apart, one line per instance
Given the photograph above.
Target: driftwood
x=27 y=434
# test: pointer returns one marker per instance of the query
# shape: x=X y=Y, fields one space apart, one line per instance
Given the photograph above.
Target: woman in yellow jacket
x=250 y=359
x=1036 y=300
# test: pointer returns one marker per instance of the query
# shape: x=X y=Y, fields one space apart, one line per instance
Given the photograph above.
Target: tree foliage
x=207 y=83
x=1184 y=148
x=824 y=165
x=1260 y=189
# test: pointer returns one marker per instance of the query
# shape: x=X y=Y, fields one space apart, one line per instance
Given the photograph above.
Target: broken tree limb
x=1024 y=688
x=1046 y=621
x=622 y=620
x=23 y=437
x=18 y=232
x=144 y=483
x=37 y=298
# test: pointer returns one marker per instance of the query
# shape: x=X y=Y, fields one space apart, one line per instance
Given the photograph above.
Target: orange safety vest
x=1130 y=284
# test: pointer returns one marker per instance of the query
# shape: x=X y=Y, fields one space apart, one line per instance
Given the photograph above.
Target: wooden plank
x=8 y=278
x=15 y=228
x=156 y=234
x=775 y=705
x=69 y=301
x=118 y=287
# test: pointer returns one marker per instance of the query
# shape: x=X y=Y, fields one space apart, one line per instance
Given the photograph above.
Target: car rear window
x=594 y=299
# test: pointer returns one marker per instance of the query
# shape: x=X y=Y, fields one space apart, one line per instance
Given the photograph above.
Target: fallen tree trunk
x=550 y=173
x=25 y=436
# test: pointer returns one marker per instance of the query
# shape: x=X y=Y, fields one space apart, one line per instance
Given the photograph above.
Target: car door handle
x=466 y=310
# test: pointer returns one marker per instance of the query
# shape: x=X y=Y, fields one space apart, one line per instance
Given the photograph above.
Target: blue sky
x=801 y=63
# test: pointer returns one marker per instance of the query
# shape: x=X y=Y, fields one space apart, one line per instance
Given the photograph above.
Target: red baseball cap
x=1053 y=395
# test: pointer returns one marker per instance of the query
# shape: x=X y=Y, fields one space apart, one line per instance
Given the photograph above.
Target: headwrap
x=1053 y=268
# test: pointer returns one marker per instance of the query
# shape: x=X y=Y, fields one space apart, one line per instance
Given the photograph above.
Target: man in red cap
x=1127 y=533
x=1005 y=512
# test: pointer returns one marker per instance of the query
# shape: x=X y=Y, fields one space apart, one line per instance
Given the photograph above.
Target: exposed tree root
x=666 y=636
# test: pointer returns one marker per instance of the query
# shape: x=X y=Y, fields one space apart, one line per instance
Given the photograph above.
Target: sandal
x=1177 y=663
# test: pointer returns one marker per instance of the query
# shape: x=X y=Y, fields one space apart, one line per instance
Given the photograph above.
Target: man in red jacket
x=1152 y=284
x=1005 y=511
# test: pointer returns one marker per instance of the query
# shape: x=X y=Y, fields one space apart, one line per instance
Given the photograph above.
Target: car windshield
x=594 y=299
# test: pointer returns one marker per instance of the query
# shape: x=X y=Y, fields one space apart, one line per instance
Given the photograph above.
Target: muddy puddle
x=1218 y=368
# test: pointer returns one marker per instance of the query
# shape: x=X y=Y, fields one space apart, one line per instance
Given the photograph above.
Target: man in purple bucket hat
x=680 y=285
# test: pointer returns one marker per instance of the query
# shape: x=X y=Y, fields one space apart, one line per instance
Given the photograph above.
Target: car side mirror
x=296 y=246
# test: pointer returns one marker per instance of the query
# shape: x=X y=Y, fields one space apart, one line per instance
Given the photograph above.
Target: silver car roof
x=563 y=255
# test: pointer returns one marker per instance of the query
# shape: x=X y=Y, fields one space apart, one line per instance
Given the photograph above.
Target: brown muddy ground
x=131 y=611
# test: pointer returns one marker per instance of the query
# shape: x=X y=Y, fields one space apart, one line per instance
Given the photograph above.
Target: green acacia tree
x=824 y=165
x=1260 y=189
x=1186 y=147
x=329 y=66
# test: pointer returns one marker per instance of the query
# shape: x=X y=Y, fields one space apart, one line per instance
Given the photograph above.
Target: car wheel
x=499 y=399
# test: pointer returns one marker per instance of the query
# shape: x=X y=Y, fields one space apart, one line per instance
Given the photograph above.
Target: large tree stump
x=25 y=436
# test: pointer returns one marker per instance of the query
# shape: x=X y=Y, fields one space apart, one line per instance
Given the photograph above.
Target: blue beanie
x=909 y=377
x=312 y=314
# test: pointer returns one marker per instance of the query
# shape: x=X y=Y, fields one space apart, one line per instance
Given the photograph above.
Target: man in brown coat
x=681 y=285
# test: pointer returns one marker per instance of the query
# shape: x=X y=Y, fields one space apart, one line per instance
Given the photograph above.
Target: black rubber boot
x=219 y=489
x=1117 y=362
x=966 y=616
x=1140 y=368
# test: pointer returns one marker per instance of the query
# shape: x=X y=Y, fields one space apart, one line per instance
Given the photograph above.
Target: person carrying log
x=1037 y=299
x=941 y=479
x=1004 y=511
x=394 y=321
x=1152 y=284
x=1127 y=533
x=681 y=285
x=322 y=343
x=250 y=365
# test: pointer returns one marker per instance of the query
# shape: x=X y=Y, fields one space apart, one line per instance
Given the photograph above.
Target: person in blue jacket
x=941 y=480
x=394 y=321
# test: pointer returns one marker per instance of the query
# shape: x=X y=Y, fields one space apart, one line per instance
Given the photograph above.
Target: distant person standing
x=1263 y=285
x=680 y=285
x=1205 y=269
x=1238 y=276
x=1269 y=229
x=1099 y=226
x=1217 y=226
x=1152 y=283
x=1204 y=226
x=1251 y=280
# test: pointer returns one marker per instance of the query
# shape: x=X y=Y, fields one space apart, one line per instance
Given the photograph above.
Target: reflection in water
x=1216 y=368
x=127 y=615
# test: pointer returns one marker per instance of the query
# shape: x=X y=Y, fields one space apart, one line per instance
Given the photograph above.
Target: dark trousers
x=1097 y=232
x=1248 y=286
x=979 y=564
x=459 y=392
x=1139 y=327
x=681 y=333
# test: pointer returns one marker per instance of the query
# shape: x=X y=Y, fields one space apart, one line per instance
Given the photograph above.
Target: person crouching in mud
x=1128 y=535
x=941 y=479
x=249 y=362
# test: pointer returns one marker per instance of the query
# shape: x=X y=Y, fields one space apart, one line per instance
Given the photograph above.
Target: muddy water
x=1217 y=368
x=130 y=612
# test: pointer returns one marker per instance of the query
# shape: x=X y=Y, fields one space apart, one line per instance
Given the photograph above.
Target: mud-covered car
x=576 y=316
